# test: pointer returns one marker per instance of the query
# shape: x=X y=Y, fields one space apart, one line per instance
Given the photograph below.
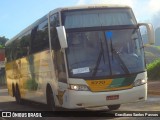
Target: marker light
x=140 y=82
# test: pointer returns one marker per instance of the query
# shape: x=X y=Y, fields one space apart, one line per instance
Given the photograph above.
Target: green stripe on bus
x=121 y=82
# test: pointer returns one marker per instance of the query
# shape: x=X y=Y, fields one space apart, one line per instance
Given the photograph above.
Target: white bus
x=79 y=57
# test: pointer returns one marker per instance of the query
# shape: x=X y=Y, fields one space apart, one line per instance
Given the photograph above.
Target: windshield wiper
x=97 y=63
x=121 y=62
x=109 y=35
x=99 y=60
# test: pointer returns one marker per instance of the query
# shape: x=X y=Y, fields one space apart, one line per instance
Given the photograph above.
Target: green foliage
x=153 y=70
x=1 y=46
x=3 y=40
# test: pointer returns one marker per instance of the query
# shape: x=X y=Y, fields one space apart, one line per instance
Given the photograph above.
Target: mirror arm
x=150 y=32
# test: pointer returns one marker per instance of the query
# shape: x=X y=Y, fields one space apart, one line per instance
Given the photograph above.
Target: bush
x=153 y=70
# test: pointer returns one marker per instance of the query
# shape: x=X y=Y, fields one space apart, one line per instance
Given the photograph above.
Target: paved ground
x=152 y=104
x=154 y=87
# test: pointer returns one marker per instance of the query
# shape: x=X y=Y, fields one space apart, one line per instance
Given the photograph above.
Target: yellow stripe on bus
x=98 y=85
x=103 y=85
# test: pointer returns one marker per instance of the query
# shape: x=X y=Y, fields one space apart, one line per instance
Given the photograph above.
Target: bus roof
x=89 y=7
x=93 y=6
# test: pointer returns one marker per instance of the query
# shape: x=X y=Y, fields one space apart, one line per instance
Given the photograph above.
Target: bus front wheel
x=50 y=100
x=114 y=107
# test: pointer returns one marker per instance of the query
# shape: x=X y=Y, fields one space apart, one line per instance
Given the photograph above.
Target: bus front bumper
x=86 y=99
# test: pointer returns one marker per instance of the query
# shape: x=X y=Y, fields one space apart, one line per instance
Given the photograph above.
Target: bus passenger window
x=24 y=44
x=39 y=37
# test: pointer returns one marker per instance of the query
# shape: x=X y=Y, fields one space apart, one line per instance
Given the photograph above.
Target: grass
x=153 y=70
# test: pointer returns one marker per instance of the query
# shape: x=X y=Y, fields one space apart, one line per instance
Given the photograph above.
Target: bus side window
x=21 y=46
x=8 y=53
x=39 y=37
x=14 y=50
x=25 y=39
x=54 y=22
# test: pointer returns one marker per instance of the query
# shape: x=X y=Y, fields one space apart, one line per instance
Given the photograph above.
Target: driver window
x=60 y=66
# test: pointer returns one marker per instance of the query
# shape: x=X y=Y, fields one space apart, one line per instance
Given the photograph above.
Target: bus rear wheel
x=114 y=107
x=18 y=96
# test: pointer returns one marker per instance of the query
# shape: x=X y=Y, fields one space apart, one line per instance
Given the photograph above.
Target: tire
x=50 y=100
x=114 y=107
x=13 y=90
x=18 y=96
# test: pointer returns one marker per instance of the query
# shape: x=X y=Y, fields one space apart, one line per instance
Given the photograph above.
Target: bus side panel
x=32 y=74
x=9 y=77
x=35 y=72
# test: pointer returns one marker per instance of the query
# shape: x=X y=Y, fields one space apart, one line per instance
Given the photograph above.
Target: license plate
x=112 y=97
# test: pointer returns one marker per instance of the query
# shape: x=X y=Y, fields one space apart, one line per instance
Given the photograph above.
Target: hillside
x=157 y=36
x=152 y=53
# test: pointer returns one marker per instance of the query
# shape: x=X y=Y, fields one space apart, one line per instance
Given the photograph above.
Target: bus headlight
x=139 y=82
x=79 y=87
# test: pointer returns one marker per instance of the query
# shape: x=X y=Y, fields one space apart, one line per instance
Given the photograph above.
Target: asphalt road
x=8 y=103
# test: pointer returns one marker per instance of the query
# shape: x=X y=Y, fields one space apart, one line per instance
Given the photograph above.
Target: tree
x=3 y=40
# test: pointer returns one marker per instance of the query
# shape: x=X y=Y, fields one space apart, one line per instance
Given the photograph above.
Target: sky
x=15 y=15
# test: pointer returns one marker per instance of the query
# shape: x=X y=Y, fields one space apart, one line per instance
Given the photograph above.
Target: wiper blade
x=121 y=62
x=99 y=59
x=97 y=63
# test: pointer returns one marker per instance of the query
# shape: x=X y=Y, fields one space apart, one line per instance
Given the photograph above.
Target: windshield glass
x=104 y=53
x=98 y=17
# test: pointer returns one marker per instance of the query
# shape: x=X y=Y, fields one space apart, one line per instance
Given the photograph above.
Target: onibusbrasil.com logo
x=21 y=114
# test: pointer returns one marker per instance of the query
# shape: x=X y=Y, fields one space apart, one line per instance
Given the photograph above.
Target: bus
x=79 y=57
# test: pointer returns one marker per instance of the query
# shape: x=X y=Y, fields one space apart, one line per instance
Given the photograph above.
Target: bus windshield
x=103 y=43
x=105 y=53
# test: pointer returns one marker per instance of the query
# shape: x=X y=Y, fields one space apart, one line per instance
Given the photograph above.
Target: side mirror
x=62 y=36
x=150 y=32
